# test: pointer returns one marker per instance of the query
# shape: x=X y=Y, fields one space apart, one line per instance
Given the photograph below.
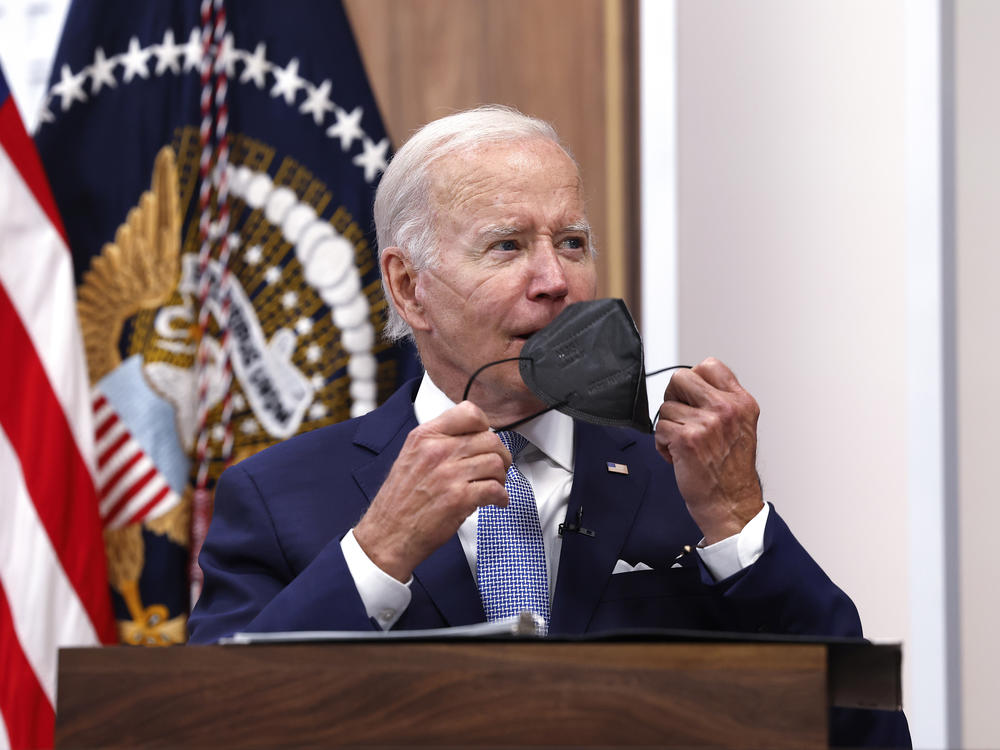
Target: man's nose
x=548 y=276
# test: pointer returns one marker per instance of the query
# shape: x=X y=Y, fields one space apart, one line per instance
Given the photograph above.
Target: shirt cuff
x=738 y=551
x=384 y=597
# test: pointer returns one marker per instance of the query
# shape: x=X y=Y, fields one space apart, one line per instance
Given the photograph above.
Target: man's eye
x=506 y=245
x=573 y=243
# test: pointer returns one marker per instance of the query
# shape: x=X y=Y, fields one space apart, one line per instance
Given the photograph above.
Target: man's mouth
x=526 y=333
x=522 y=337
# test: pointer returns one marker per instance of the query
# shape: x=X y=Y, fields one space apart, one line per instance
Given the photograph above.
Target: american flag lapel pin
x=614 y=468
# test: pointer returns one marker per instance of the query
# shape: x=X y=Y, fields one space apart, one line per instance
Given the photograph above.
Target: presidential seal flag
x=215 y=165
x=52 y=570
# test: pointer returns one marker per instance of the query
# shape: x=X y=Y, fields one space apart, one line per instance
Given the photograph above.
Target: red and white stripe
x=130 y=486
x=53 y=584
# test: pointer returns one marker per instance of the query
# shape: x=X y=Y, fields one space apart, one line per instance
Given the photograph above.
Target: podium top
x=860 y=674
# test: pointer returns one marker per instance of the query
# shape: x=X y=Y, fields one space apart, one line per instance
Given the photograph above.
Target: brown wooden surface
x=436 y=694
x=571 y=62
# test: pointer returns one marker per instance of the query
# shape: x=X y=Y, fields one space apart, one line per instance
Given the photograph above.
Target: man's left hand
x=708 y=431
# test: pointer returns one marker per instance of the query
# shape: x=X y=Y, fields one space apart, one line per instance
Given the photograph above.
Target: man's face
x=513 y=251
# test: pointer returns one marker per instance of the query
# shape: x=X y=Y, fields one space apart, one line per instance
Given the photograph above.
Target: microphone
x=577 y=526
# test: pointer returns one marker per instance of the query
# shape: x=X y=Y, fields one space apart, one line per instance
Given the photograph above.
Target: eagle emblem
x=302 y=346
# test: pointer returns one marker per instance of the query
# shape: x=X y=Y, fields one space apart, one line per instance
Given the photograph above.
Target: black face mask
x=587 y=363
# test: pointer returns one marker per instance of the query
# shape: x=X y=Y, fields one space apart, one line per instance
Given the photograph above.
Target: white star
x=255 y=66
x=70 y=87
x=135 y=61
x=192 y=51
x=373 y=157
x=313 y=353
x=46 y=113
x=227 y=57
x=218 y=433
x=318 y=382
x=253 y=256
x=287 y=81
x=248 y=425
x=347 y=127
x=303 y=326
x=289 y=300
x=102 y=71
x=317 y=102
x=317 y=410
x=272 y=275
x=239 y=403
x=167 y=54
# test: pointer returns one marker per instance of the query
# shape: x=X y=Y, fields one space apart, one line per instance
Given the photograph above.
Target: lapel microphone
x=577 y=526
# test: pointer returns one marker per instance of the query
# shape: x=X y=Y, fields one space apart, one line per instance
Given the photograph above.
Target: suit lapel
x=446 y=578
x=610 y=502
x=383 y=433
x=445 y=575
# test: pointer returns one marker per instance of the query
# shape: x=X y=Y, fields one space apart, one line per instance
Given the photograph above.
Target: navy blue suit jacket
x=272 y=559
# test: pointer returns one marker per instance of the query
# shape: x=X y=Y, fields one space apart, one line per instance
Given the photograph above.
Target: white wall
x=832 y=169
x=791 y=259
x=797 y=181
x=977 y=115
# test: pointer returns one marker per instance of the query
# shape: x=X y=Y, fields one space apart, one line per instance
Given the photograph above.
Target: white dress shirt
x=547 y=463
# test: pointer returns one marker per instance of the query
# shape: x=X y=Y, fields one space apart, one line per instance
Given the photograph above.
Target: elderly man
x=419 y=515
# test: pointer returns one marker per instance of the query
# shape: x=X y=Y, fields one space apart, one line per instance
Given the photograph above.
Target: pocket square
x=623 y=567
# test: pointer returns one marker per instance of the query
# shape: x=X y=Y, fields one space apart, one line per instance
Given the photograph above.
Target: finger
x=488 y=492
x=662 y=437
x=505 y=454
x=718 y=375
x=479 y=444
x=688 y=387
x=678 y=413
x=462 y=419
x=672 y=433
x=484 y=466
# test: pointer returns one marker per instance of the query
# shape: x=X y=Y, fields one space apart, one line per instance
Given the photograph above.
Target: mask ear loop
x=667 y=369
x=468 y=386
x=657 y=372
x=518 y=423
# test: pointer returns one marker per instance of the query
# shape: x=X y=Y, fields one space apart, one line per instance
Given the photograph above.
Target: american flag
x=52 y=568
x=129 y=484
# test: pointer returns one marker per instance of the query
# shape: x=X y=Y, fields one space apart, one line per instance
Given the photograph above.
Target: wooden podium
x=464 y=693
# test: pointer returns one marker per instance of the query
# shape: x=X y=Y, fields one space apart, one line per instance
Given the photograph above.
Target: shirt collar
x=551 y=432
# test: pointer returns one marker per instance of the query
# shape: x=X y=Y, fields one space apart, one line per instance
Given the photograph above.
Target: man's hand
x=447 y=468
x=708 y=431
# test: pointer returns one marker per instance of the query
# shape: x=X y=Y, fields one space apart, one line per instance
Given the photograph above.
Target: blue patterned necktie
x=510 y=554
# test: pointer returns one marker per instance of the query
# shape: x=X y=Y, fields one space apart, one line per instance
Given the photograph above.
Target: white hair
x=403 y=211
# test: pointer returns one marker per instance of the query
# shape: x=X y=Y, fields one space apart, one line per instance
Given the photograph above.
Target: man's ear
x=400 y=280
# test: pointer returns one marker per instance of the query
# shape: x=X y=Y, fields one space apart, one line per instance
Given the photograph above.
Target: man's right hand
x=447 y=468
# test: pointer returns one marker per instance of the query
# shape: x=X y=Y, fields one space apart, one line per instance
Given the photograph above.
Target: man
x=386 y=521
